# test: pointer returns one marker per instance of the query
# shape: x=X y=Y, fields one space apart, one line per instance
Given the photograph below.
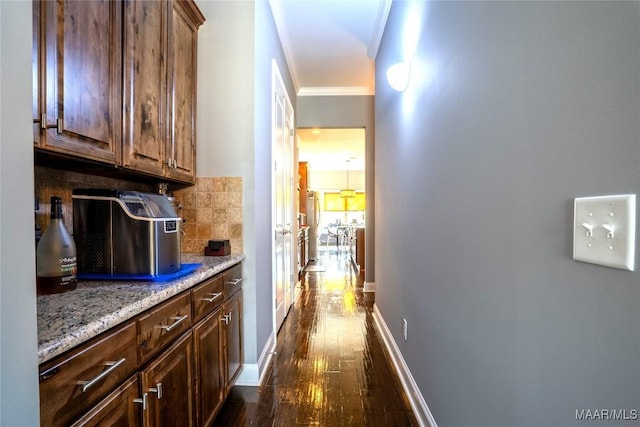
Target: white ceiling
x=329 y=149
x=330 y=46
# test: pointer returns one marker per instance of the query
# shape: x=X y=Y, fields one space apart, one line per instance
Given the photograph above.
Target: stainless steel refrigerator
x=313 y=220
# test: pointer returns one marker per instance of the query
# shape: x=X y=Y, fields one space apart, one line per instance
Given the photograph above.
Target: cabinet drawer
x=71 y=384
x=232 y=280
x=162 y=324
x=207 y=296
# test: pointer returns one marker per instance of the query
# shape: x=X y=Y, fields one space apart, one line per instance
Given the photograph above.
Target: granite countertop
x=69 y=319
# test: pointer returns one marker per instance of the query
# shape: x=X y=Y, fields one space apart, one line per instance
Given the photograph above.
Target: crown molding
x=283 y=35
x=378 y=29
x=337 y=91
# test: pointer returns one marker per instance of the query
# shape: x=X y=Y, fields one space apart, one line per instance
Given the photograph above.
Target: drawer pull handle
x=86 y=385
x=234 y=282
x=48 y=374
x=157 y=390
x=176 y=322
x=213 y=297
x=142 y=400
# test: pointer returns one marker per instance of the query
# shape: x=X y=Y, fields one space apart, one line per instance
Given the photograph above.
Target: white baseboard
x=253 y=374
x=369 y=287
x=418 y=404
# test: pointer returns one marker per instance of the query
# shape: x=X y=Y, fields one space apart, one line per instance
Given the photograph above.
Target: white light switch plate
x=604 y=230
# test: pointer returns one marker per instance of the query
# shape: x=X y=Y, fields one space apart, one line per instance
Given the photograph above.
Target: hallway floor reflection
x=330 y=369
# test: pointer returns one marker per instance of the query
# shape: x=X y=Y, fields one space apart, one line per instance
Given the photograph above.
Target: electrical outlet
x=405 y=328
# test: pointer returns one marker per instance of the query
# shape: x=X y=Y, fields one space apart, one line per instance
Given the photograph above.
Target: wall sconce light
x=398 y=76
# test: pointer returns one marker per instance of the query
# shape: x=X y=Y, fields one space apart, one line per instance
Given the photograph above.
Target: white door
x=282 y=134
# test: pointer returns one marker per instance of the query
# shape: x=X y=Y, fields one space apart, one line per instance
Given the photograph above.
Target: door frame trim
x=276 y=79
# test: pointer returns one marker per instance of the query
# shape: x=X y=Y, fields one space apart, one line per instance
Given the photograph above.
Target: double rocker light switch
x=604 y=230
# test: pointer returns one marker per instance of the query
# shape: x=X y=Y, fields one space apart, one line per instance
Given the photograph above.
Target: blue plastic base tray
x=184 y=270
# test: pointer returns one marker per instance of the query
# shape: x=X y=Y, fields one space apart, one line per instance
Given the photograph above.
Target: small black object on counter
x=217 y=248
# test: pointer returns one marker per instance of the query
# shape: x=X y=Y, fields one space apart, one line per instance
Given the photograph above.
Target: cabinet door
x=36 y=68
x=145 y=106
x=168 y=382
x=122 y=408
x=83 y=78
x=209 y=379
x=232 y=320
x=184 y=21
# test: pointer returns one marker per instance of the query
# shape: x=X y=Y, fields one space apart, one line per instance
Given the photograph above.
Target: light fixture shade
x=398 y=76
x=347 y=193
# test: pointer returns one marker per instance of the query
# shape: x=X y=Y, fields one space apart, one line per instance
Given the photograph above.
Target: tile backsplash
x=211 y=209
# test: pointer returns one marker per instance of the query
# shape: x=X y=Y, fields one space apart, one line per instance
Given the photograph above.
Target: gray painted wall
x=267 y=48
x=515 y=109
x=225 y=126
x=349 y=112
x=235 y=49
x=19 y=404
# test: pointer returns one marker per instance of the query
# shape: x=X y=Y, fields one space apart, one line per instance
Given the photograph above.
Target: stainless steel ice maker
x=125 y=233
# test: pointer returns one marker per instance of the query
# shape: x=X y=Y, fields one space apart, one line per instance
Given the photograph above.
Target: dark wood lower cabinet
x=120 y=409
x=168 y=384
x=159 y=369
x=209 y=373
x=218 y=357
x=73 y=383
x=232 y=320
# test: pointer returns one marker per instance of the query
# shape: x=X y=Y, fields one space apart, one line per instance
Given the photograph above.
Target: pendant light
x=347 y=192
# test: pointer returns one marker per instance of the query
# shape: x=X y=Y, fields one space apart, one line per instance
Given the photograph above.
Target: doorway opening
x=331 y=194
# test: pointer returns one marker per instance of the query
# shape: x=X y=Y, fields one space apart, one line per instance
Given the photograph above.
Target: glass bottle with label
x=56 y=266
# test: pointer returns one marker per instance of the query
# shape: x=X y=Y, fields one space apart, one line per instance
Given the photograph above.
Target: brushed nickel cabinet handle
x=43 y=123
x=86 y=385
x=50 y=373
x=213 y=297
x=142 y=400
x=157 y=390
x=226 y=319
x=234 y=282
x=177 y=321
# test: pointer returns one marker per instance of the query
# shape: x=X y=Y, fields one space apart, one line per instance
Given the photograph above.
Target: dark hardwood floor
x=330 y=368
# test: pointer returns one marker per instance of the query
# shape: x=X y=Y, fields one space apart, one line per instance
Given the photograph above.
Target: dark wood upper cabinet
x=82 y=78
x=145 y=93
x=115 y=82
x=183 y=51
x=36 y=52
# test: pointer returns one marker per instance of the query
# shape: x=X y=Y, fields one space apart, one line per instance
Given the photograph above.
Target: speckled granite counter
x=69 y=319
